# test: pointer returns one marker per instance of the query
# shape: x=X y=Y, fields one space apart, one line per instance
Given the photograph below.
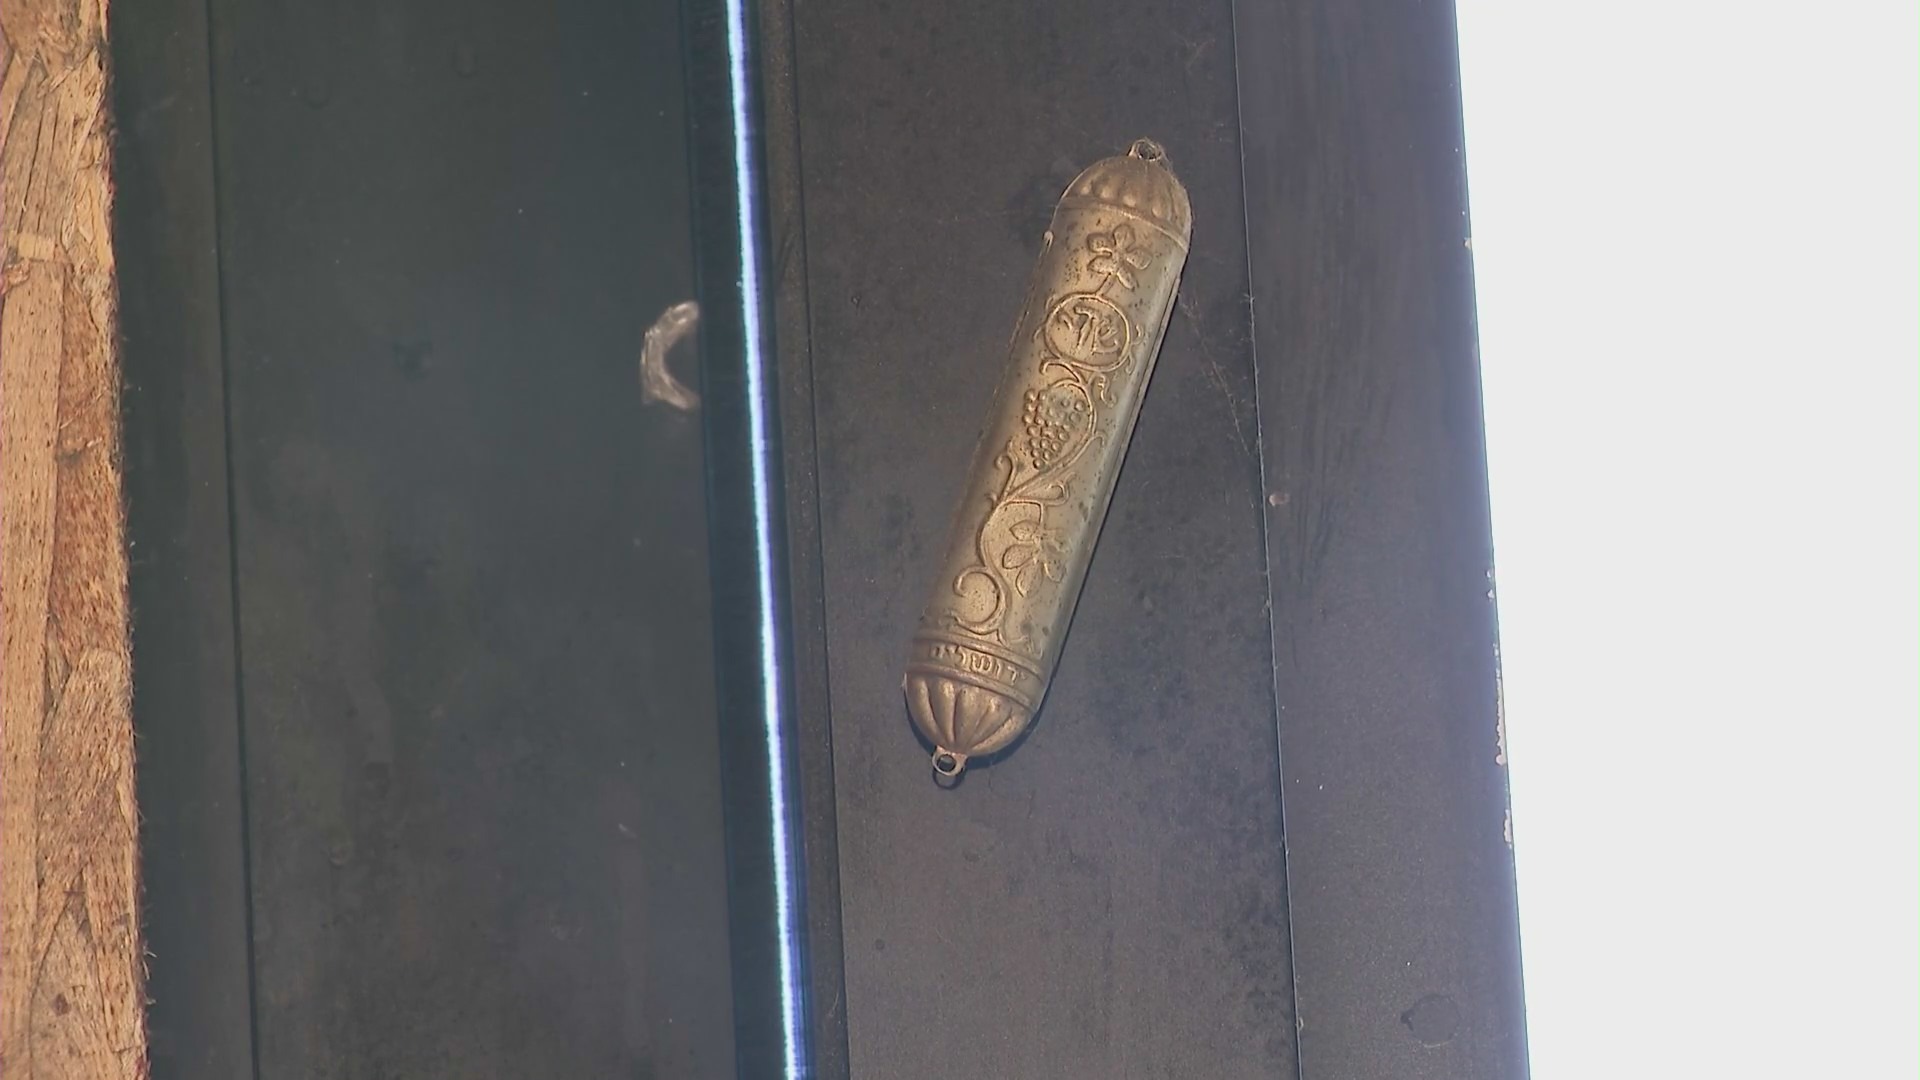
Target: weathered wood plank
x=70 y=971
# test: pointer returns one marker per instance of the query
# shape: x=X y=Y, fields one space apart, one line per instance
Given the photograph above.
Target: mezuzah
x=1048 y=458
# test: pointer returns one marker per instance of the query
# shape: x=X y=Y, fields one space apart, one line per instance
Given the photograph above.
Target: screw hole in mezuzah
x=1148 y=150
x=947 y=767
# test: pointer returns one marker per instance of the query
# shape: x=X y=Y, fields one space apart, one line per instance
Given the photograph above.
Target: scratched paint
x=656 y=381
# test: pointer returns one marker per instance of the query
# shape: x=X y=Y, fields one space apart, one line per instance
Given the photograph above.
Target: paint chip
x=656 y=382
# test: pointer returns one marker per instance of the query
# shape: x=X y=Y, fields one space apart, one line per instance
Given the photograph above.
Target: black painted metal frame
x=765 y=893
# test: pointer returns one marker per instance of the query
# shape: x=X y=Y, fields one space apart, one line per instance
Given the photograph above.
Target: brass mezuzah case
x=1047 y=461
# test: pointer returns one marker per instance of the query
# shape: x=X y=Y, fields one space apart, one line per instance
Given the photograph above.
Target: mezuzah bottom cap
x=963 y=720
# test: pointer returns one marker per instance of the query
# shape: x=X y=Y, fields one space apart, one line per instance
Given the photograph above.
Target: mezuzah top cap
x=1140 y=181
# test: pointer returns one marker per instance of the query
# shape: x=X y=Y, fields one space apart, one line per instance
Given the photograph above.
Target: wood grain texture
x=70 y=946
x=70 y=972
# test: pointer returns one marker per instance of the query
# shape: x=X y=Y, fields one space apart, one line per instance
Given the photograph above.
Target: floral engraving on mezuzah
x=1086 y=339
